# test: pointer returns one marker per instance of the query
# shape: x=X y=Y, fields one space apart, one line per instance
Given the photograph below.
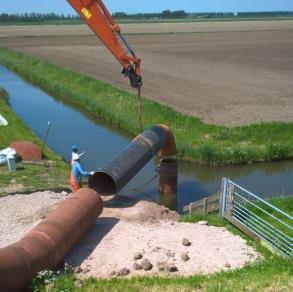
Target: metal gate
x=257 y=217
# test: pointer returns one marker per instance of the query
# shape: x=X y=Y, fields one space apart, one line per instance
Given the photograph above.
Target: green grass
x=28 y=178
x=271 y=273
x=196 y=140
x=284 y=204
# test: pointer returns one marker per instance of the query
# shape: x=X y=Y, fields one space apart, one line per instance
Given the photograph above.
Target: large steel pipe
x=111 y=178
x=45 y=245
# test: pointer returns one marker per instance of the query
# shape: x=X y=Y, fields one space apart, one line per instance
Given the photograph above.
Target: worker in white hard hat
x=77 y=172
x=75 y=151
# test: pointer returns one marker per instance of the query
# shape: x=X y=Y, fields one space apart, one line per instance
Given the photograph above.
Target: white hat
x=75 y=156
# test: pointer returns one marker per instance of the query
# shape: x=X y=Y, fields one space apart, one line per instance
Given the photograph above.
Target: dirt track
x=227 y=73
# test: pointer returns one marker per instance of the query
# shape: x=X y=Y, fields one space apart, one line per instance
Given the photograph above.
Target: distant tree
x=120 y=15
x=166 y=14
x=179 y=14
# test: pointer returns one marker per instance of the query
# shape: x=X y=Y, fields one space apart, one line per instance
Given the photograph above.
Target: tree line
x=166 y=14
x=266 y=14
x=36 y=17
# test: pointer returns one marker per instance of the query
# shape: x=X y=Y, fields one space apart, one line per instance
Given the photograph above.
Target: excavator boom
x=98 y=18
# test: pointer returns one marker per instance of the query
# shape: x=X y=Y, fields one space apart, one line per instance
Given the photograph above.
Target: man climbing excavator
x=99 y=19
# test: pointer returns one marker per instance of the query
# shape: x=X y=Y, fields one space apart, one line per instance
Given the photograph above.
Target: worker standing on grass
x=77 y=172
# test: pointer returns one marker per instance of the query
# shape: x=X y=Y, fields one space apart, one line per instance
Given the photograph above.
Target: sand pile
x=132 y=238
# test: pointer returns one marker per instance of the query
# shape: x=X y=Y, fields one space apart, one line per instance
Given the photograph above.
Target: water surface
x=102 y=142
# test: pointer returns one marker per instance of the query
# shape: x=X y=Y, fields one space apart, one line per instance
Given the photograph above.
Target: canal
x=102 y=142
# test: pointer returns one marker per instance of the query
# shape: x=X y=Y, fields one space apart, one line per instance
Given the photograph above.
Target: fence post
x=231 y=198
x=205 y=205
x=190 y=209
x=223 y=196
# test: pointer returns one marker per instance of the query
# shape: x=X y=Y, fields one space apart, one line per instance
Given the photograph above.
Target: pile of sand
x=126 y=229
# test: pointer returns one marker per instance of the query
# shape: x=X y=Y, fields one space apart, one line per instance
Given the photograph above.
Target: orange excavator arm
x=98 y=18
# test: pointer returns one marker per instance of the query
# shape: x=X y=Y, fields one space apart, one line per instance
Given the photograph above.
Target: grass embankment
x=272 y=273
x=27 y=178
x=197 y=141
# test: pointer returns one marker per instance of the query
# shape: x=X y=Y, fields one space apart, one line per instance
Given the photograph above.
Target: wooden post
x=231 y=199
x=190 y=209
x=205 y=205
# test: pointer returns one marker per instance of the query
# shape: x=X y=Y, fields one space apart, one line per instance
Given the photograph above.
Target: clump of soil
x=129 y=209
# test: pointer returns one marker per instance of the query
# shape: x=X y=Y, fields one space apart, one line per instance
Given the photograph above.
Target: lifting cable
x=149 y=181
x=138 y=188
x=139 y=113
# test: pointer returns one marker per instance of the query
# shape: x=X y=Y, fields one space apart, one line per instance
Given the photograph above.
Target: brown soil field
x=230 y=73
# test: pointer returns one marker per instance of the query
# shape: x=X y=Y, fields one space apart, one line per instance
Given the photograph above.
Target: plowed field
x=230 y=73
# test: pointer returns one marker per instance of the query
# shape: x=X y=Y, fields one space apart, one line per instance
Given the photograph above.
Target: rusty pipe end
x=169 y=149
x=47 y=243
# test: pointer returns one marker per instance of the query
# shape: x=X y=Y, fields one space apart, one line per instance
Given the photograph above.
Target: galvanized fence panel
x=258 y=217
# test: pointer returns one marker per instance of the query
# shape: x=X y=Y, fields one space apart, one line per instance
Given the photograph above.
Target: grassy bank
x=28 y=178
x=197 y=141
x=272 y=273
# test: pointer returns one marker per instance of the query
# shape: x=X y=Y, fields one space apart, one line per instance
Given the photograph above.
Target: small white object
x=3 y=159
x=3 y=121
x=203 y=223
x=11 y=163
x=6 y=152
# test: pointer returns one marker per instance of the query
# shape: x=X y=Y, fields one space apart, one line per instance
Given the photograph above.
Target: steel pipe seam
x=169 y=149
x=155 y=137
x=45 y=245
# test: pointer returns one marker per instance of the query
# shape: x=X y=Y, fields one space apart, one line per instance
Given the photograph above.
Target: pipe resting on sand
x=45 y=245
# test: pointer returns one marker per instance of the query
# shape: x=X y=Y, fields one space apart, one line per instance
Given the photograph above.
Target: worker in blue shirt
x=77 y=173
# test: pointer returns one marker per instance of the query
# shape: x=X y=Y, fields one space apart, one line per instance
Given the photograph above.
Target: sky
x=135 y=6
